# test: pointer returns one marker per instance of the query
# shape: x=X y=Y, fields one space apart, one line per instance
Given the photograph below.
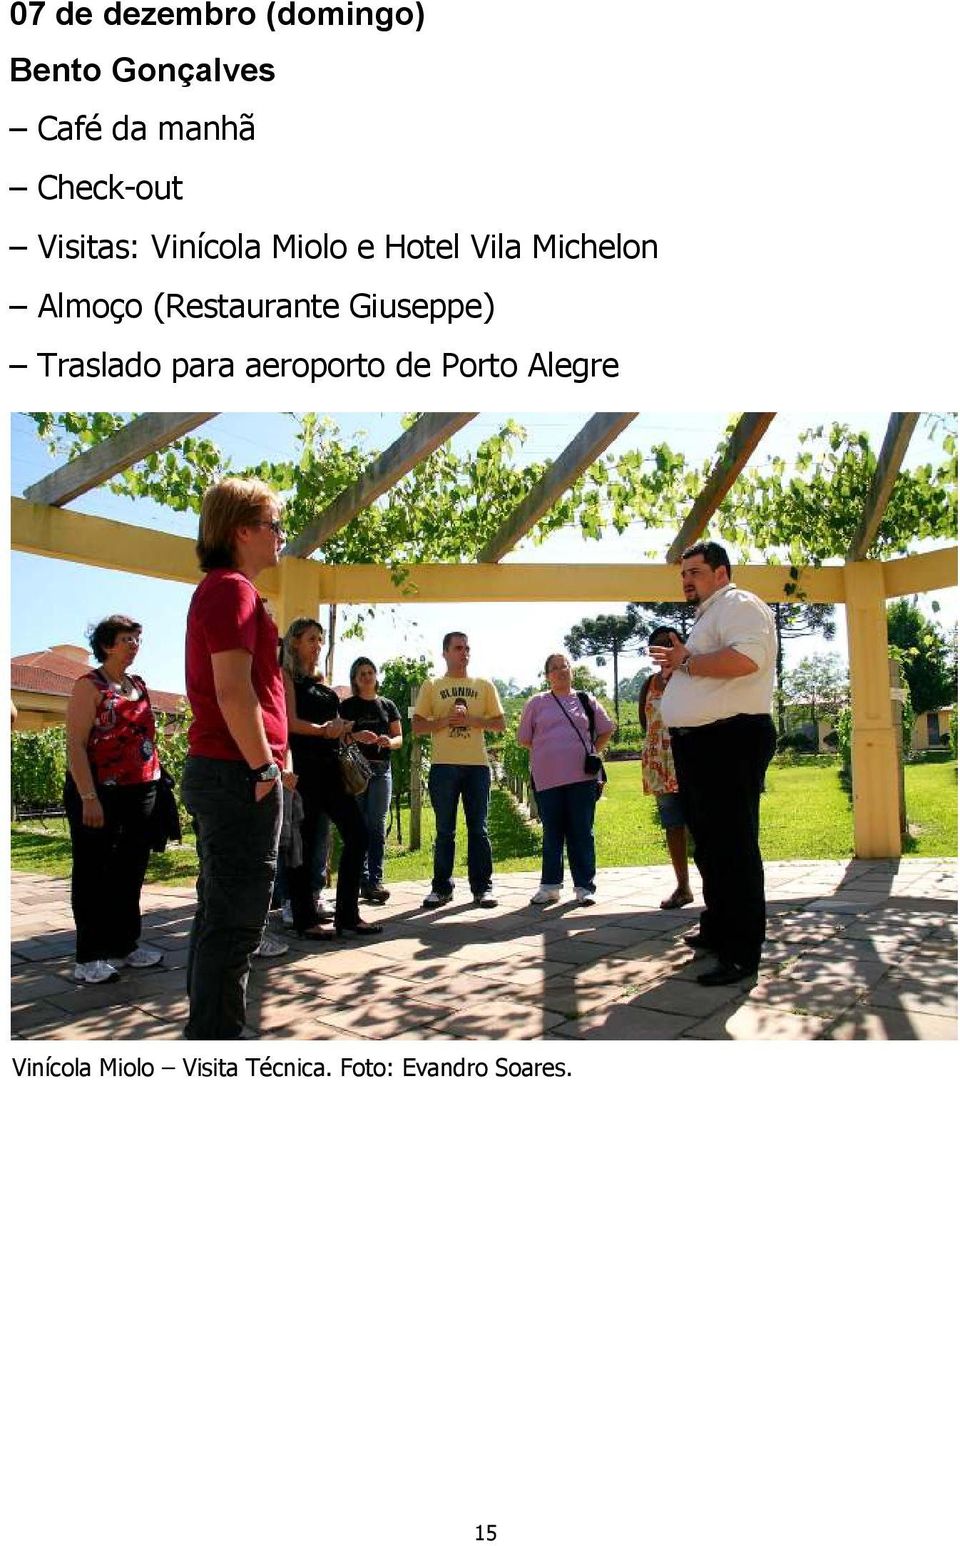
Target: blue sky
x=54 y=603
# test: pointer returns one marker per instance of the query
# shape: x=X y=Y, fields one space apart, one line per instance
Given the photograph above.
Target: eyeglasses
x=561 y=666
x=274 y=526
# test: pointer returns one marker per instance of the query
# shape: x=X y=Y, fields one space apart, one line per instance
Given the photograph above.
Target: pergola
x=300 y=585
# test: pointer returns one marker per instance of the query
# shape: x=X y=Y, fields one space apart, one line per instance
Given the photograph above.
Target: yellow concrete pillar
x=298 y=590
x=876 y=824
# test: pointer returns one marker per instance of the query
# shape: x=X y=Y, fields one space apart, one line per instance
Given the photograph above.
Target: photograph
x=475 y=727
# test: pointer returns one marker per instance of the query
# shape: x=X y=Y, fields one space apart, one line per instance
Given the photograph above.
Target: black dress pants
x=720 y=769
x=109 y=864
x=323 y=794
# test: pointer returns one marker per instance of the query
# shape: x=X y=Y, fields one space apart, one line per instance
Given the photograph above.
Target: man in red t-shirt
x=237 y=751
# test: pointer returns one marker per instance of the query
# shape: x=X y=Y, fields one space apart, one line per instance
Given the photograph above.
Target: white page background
x=684 y=1297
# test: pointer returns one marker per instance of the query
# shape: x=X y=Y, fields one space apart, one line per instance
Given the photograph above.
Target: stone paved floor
x=857 y=950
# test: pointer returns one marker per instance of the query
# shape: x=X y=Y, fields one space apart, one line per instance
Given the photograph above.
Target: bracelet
x=89 y=797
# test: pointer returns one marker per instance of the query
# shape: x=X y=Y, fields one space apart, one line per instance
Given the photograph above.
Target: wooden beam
x=451 y=584
x=876 y=801
x=90 y=539
x=583 y=450
x=413 y=446
x=936 y=570
x=895 y=442
x=149 y=432
x=747 y=435
x=75 y=538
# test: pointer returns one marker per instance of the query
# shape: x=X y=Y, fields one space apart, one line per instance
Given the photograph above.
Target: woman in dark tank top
x=316 y=727
x=377 y=730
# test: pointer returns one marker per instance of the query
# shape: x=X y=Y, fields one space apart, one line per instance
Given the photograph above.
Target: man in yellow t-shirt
x=455 y=709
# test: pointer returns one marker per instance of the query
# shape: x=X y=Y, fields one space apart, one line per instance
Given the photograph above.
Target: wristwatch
x=268 y=774
x=685 y=663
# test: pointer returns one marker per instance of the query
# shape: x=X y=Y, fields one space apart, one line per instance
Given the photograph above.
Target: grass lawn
x=931 y=808
x=803 y=815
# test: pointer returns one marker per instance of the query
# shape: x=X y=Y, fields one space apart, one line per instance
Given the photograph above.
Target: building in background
x=41 y=684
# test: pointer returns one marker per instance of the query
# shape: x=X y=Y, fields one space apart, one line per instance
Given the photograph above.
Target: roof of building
x=54 y=671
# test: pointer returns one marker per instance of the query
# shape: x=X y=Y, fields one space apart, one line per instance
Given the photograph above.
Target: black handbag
x=165 y=821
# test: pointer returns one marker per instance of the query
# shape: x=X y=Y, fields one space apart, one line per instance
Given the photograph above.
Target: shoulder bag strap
x=587 y=747
x=587 y=707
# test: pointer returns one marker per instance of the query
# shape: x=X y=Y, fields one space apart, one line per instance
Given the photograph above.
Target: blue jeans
x=374 y=806
x=450 y=782
x=567 y=814
x=237 y=839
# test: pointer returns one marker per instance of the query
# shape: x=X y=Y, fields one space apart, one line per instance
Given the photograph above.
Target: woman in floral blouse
x=110 y=796
x=659 y=778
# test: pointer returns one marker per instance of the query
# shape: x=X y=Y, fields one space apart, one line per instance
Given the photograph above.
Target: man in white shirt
x=717 y=707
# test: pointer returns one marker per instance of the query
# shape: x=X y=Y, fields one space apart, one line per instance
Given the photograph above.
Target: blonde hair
x=228 y=505
x=289 y=653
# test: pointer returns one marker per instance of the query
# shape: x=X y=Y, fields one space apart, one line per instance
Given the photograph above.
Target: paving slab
x=893 y=1025
x=858 y=950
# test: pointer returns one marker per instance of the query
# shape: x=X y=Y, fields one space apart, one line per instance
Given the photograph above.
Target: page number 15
x=486 y=1533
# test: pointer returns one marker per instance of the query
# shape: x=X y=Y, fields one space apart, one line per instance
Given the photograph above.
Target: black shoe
x=436 y=899
x=725 y=973
x=377 y=895
x=358 y=928
x=696 y=941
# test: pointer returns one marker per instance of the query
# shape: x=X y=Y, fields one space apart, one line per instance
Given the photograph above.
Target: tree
x=400 y=681
x=795 y=620
x=443 y=511
x=630 y=689
x=819 y=684
x=661 y=614
x=583 y=680
x=38 y=766
x=927 y=655
x=507 y=691
x=598 y=637
x=808 y=510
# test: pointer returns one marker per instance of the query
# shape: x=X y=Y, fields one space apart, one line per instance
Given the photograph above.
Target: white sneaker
x=436 y=899
x=144 y=955
x=269 y=948
x=585 y=896
x=544 y=895
x=94 y=972
x=286 y=915
x=486 y=898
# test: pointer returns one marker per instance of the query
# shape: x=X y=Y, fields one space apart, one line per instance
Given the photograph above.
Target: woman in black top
x=316 y=726
x=378 y=732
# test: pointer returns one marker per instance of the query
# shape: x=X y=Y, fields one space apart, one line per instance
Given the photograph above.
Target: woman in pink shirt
x=566 y=732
